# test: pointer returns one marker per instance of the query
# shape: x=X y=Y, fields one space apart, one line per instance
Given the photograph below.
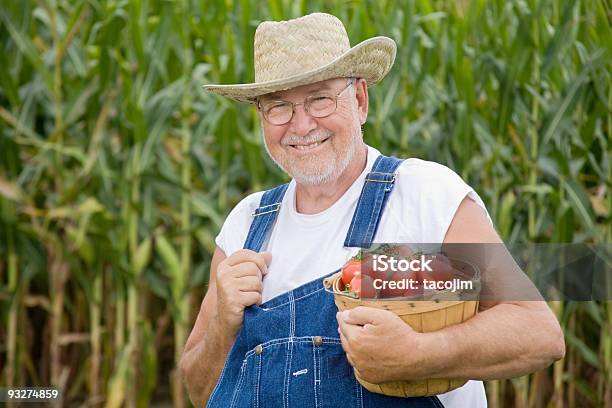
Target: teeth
x=308 y=146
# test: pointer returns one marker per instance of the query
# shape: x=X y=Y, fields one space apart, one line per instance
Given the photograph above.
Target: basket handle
x=328 y=283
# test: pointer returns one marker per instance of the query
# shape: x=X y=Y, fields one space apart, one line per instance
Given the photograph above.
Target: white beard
x=320 y=172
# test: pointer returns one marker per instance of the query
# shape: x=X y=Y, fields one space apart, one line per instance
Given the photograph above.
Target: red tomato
x=378 y=274
x=397 y=277
x=363 y=287
x=366 y=264
x=349 y=270
x=417 y=285
x=441 y=268
x=367 y=268
x=413 y=292
x=404 y=251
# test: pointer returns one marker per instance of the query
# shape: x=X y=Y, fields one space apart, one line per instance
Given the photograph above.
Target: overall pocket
x=336 y=385
x=268 y=374
x=300 y=372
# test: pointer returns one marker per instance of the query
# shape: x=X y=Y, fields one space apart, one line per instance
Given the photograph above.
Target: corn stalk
x=101 y=102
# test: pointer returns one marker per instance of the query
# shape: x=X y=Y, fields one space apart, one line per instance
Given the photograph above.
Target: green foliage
x=114 y=163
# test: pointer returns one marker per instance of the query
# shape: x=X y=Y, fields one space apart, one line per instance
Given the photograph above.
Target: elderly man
x=267 y=334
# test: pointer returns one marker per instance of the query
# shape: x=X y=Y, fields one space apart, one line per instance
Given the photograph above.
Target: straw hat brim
x=370 y=59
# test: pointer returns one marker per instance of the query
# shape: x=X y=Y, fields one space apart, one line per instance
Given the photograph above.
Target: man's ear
x=361 y=94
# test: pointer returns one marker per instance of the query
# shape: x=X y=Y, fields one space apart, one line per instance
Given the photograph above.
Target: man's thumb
x=360 y=315
x=267 y=257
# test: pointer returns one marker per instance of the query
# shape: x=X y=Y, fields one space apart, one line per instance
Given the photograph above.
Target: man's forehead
x=326 y=85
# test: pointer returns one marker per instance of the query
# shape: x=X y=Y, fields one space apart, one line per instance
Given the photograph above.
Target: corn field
x=117 y=169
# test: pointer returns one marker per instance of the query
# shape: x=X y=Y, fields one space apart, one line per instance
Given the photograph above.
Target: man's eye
x=277 y=107
x=321 y=102
x=320 y=98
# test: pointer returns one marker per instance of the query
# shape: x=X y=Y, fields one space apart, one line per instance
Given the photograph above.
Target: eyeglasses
x=319 y=106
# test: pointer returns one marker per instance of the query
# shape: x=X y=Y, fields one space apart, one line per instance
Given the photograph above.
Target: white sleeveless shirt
x=305 y=247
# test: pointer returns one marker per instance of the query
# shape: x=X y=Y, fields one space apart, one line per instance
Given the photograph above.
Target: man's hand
x=239 y=285
x=379 y=345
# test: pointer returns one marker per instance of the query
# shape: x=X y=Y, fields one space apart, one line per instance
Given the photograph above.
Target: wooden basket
x=437 y=311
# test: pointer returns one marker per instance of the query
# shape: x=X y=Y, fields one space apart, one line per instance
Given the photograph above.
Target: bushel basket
x=437 y=310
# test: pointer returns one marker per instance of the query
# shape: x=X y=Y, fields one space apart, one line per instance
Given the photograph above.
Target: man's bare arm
x=207 y=346
x=509 y=338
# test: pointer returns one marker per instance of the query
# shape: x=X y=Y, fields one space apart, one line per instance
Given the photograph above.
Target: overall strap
x=264 y=217
x=378 y=185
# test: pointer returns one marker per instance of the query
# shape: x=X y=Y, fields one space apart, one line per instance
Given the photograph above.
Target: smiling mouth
x=309 y=146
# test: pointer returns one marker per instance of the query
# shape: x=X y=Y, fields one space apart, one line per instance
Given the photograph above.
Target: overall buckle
x=273 y=207
x=392 y=180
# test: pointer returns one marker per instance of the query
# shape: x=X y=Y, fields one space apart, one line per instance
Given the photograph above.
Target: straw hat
x=306 y=50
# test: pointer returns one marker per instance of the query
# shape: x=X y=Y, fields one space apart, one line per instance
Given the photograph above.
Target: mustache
x=312 y=137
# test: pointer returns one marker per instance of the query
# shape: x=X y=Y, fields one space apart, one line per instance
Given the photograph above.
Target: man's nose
x=301 y=123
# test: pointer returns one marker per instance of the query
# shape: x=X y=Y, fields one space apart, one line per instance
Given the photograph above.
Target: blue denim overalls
x=288 y=353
